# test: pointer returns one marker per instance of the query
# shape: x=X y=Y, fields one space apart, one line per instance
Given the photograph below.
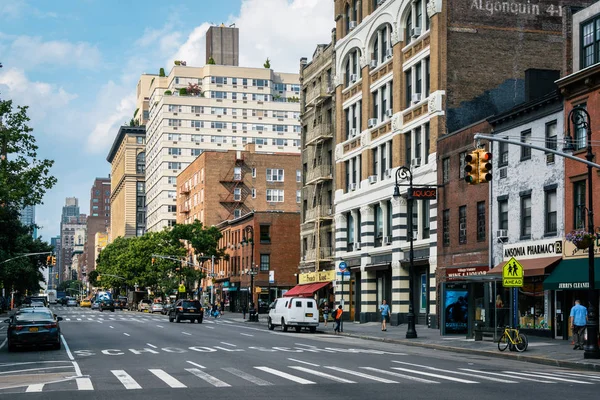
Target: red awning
x=306 y=290
x=531 y=267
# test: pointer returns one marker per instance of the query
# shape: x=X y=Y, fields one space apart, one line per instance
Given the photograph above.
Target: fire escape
x=236 y=191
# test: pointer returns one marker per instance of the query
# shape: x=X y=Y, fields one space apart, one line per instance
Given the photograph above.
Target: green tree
x=24 y=178
x=211 y=61
x=267 y=63
x=161 y=72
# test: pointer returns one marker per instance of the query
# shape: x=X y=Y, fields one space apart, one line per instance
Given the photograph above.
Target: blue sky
x=76 y=64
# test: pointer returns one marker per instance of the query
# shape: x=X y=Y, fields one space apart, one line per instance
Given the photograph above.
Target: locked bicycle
x=513 y=338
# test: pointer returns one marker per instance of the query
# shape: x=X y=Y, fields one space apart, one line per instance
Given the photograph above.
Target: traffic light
x=153 y=260
x=485 y=166
x=53 y=260
x=49 y=260
x=98 y=279
x=56 y=276
x=472 y=164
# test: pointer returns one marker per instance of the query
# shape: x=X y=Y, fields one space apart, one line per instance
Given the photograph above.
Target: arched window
x=352 y=66
x=381 y=44
x=348 y=18
x=409 y=27
x=140 y=163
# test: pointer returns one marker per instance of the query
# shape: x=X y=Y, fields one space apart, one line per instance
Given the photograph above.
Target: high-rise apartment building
x=27 y=218
x=97 y=221
x=223 y=45
x=72 y=237
x=318 y=119
x=70 y=209
x=127 y=157
x=213 y=108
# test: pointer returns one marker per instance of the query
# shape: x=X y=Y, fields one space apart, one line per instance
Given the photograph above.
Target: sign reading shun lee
x=422 y=193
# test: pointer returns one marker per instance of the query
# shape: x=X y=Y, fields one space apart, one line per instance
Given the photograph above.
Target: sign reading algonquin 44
x=512 y=273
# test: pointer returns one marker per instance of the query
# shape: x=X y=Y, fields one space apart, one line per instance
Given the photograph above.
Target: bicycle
x=514 y=338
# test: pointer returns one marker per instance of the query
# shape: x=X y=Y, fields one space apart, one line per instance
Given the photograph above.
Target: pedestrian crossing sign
x=182 y=288
x=512 y=273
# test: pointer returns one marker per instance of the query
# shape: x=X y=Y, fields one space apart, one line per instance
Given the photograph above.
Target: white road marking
x=126 y=379
x=151 y=345
x=32 y=362
x=166 y=378
x=90 y=319
x=554 y=378
x=410 y=378
x=577 y=375
x=246 y=334
x=126 y=334
x=67 y=319
x=303 y=362
x=112 y=327
x=210 y=327
x=362 y=375
x=33 y=369
x=84 y=384
x=455 y=372
x=208 y=378
x=229 y=344
x=38 y=387
x=449 y=378
x=160 y=326
x=321 y=374
x=78 y=319
x=287 y=376
x=498 y=374
x=248 y=377
x=3 y=343
x=196 y=365
x=68 y=350
x=185 y=333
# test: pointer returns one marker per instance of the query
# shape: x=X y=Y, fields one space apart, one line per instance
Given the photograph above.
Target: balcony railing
x=325 y=253
x=318 y=94
x=318 y=133
x=319 y=212
x=319 y=173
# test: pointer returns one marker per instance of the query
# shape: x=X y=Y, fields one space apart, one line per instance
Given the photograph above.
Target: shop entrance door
x=351 y=297
x=558 y=314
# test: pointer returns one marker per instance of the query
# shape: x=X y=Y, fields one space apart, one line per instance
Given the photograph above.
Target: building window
x=265 y=262
x=579 y=204
x=461 y=164
x=171 y=222
x=580 y=137
x=590 y=43
x=480 y=221
x=378 y=212
x=550 y=223
x=526 y=151
x=426 y=217
x=275 y=195
x=275 y=175
x=140 y=139
x=237 y=194
x=172 y=208
x=446 y=170
x=350 y=232
x=298 y=175
x=446 y=228
x=174 y=151
x=254 y=172
x=140 y=163
x=265 y=233
x=408 y=81
x=298 y=196
x=253 y=193
x=462 y=224
x=526 y=217
x=551 y=135
x=503 y=151
x=236 y=213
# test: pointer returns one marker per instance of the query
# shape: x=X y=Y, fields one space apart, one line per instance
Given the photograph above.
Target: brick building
x=265 y=242
x=223 y=185
x=97 y=221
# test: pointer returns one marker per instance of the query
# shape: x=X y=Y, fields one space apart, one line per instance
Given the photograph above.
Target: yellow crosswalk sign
x=182 y=288
x=512 y=273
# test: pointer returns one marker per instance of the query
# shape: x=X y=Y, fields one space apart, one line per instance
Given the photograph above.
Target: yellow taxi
x=85 y=303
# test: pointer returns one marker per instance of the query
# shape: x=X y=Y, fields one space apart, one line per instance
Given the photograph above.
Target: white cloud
x=193 y=51
x=16 y=9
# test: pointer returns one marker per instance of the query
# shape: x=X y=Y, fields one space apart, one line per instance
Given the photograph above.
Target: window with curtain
x=265 y=262
x=580 y=134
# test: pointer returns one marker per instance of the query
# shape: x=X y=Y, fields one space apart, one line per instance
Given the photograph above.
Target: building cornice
x=124 y=130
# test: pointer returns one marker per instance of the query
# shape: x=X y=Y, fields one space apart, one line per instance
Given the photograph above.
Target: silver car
x=96 y=305
x=156 y=307
x=71 y=303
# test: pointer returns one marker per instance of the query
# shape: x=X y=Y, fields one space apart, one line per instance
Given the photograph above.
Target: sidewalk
x=545 y=351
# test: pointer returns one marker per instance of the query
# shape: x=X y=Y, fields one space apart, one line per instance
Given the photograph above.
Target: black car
x=33 y=326
x=121 y=302
x=166 y=308
x=186 y=309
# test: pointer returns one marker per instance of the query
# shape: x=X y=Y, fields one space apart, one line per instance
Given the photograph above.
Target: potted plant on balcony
x=581 y=238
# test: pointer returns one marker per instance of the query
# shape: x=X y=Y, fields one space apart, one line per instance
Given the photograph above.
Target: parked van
x=296 y=312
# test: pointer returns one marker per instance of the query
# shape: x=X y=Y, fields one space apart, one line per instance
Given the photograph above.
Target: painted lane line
x=313 y=347
x=34 y=369
x=67 y=319
x=455 y=372
x=3 y=343
x=196 y=365
x=126 y=334
x=84 y=384
x=90 y=319
x=32 y=362
x=362 y=375
x=321 y=374
x=185 y=333
x=38 y=387
x=554 y=378
x=126 y=379
x=68 y=350
x=207 y=378
x=246 y=334
x=287 y=376
x=449 y=378
x=390 y=373
x=78 y=319
x=578 y=375
x=304 y=362
x=1 y=327
x=210 y=327
x=166 y=378
x=112 y=327
x=248 y=377
x=160 y=326
x=151 y=345
x=499 y=374
x=229 y=344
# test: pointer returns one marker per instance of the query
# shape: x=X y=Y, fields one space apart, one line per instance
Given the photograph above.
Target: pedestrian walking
x=384 y=308
x=325 y=312
x=500 y=311
x=244 y=310
x=338 y=318
x=578 y=319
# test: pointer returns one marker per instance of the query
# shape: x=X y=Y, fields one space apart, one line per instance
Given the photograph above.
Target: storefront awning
x=305 y=290
x=531 y=267
x=230 y=289
x=572 y=275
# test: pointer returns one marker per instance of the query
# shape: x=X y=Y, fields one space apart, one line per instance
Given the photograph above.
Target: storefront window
x=534 y=305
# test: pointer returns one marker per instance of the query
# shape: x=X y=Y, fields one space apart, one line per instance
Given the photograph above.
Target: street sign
x=271 y=276
x=342 y=267
x=512 y=273
x=422 y=193
x=182 y=288
x=253 y=273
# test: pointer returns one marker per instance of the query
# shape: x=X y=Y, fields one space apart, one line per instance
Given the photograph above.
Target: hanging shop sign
x=314 y=277
x=533 y=249
x=422 y=193
x=457 y=274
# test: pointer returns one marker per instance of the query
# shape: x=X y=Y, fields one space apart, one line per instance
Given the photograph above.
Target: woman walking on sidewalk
x=385 y=314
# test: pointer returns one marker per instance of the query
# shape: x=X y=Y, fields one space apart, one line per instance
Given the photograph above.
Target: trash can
x=478 y=330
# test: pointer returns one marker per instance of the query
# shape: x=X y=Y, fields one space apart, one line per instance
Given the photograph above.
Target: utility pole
x=212 y=280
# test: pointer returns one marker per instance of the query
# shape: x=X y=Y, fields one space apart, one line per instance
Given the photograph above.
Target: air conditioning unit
x=352 y=132
x=353 y=187
x=549 y=158
x=353 y=78
x=373 y=64
x=373 y=179
x=416 y=162
x=416 y=32
x=352 y=25
x=502 y=172
x=502 y=234
x=372 y=122
x=416 y=97
x=356 y=246
x=389 y=53
x=389 y=113
x=387 y=240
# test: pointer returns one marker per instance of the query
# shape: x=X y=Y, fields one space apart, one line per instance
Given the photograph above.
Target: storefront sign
x=574 y=285
x=570 y=251
x=512 y=274
x=456 y=274
x=533 y=249
x=314 y=277
x=422 y=193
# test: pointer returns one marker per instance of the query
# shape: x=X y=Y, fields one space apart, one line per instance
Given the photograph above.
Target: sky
x=76 y=64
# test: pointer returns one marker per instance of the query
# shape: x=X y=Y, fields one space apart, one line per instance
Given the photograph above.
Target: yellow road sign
x=181 y=288
x=512 y=273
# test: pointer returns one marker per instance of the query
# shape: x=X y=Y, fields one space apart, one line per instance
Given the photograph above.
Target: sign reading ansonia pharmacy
x=533 y=249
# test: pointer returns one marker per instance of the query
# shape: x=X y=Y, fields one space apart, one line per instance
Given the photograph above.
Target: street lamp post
x=581 y=119
x=250 y=231
x=404 y=173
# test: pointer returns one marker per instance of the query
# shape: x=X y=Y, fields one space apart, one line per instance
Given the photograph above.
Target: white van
x=297 y=312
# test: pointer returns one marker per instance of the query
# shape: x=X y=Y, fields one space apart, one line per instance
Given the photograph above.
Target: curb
x=514 y=356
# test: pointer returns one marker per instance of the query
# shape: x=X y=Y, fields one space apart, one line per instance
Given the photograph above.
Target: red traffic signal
x=485 y=166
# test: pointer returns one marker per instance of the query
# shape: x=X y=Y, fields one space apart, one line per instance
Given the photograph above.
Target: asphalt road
x=143 y=356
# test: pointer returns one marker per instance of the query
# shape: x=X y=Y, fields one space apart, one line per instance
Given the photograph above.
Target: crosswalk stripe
x=455 y=372
x=450 y=378
x=361 y=374
x=208 y=378
x=499 y=374
x=126 y=379
x=578 y=375
x=38 y=387
x=321 y=374
x=554 y=378
x=408 y=377
x=166 y=378
x=287 y=376
x=84 y=384
x=248 y=377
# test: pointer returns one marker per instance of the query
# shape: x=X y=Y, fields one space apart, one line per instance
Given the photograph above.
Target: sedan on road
x=156 y=307
x=33 y=326
x=144 y=305
x=96 y=305
x=186 y=309
x=166 y=308
x=85 y=303
x=121 y=302
x=71 y=303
